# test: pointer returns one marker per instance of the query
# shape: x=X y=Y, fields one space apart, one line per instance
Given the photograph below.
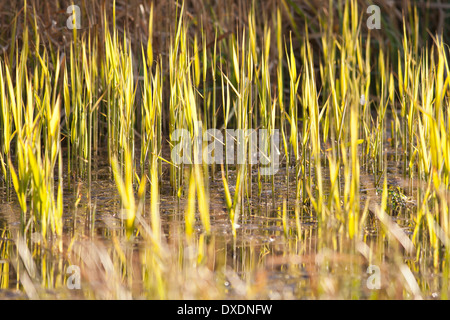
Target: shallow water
x=262 y=262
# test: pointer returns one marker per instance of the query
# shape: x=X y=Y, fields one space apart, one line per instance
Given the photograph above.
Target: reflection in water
x=271 y=258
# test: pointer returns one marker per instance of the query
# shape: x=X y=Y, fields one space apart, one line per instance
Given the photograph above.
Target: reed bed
x=359 y=119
